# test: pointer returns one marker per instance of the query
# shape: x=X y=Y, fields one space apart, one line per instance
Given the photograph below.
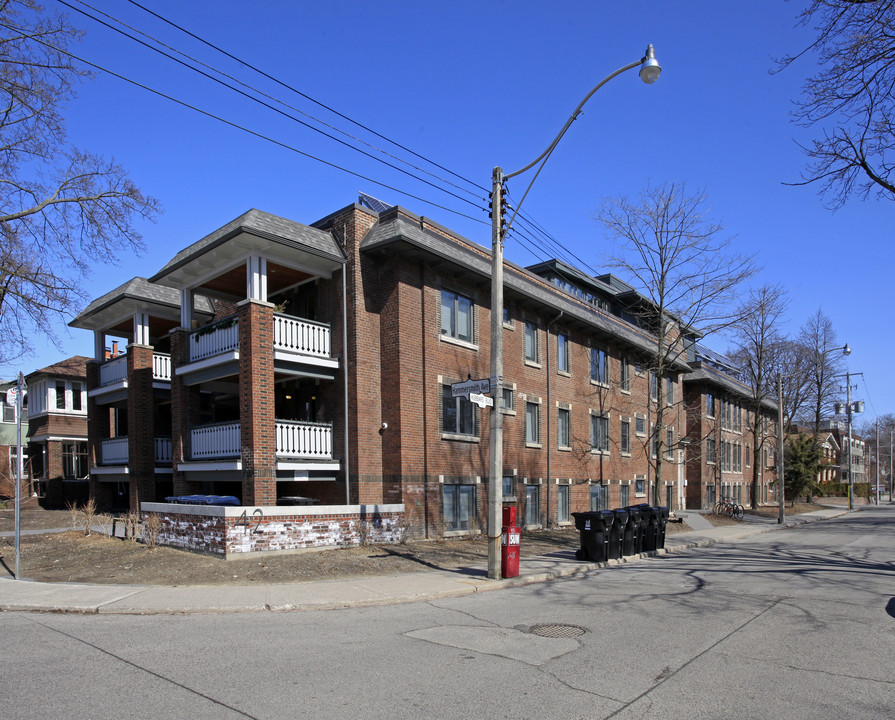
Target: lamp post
x=649 y=73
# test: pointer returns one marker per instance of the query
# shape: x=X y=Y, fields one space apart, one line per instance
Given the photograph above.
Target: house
x=57 y=431
x=273 y=360
x=725 y=454
x=9 y=442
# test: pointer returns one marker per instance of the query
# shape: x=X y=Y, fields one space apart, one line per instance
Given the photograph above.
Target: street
x=798 y=623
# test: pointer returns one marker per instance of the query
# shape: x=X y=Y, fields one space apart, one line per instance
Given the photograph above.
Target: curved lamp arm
x=649 y=73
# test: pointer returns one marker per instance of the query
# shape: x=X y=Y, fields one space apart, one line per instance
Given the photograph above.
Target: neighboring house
x=831 y=448
x=720 y=454
x=9 y=443
x=323 y=368
x=57 y=430
x=839 y=431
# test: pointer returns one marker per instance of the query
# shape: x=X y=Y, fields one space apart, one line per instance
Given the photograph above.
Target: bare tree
x=61 y=209
x=850 y=97
x=793 y=362
x=757 y=341
x=825 y=365
x=682 y=263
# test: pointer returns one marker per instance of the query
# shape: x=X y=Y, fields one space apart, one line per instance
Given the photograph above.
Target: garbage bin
x=594 y=529
x=230 y=500
x=629 y=527
x=661 y=523
x=649 y=524
x=620 y=542
x=635 y=530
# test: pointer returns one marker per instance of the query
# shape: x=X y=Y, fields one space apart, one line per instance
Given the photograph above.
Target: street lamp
x=649 y=73
x=850 y=408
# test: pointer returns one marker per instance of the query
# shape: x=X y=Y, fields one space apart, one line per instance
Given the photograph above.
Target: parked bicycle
x=728 y=508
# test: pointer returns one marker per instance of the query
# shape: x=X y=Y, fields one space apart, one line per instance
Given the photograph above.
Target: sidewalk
x=25 y=595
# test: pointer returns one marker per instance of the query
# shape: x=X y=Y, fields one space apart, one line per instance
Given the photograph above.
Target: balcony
x=291 y=337
x=116 y=451
x=294 y=440
x=113 y=372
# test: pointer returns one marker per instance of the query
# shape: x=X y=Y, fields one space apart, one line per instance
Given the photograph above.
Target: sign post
x=20 y=390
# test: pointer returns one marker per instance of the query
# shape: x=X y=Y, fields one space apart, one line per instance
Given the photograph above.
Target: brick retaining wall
x=232 y=531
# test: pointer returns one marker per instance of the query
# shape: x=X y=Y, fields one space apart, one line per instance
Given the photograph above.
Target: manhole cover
x=557 y=631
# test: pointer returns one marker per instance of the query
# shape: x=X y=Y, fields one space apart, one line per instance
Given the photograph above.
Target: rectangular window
x=709 y=405
x=653 y=386
x=532 y=511
x=710 y=495
x=563 y=505
x=669 y=391
x=710 y=454
x=532 y=423
x=508 y=491
x=640 y=425
x=60 y=395
x=563 y=363
x=669 y=444
x=563 y=428
x=457 y=414
x=599 y=497
x=624 y=439
x=74 y=460
x=625 y=375
x=599 y=366
x=653 y=440
x=625 y=495
x=748 y=456
x=599 y=433
x=639 y=485
x=456 y=316
x=459 y=507
x=76 y=396
x=9 y=413
x=531 y=342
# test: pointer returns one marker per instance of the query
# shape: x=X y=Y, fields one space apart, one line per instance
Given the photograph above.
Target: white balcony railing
x=301 y=336
x=296 y=440
x=163 y=450
x=161 y=367
x=115 y=451
x=113 y=371
x=214 y=339
x=215 y=441
x=304 y=440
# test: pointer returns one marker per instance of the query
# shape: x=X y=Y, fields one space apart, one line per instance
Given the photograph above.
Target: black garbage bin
x=621 y=539
x=635 y=530
x=661 y=523
x=649 y=524
x=594 y=529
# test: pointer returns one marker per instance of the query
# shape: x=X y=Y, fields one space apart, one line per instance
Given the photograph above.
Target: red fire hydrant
x=509 y=544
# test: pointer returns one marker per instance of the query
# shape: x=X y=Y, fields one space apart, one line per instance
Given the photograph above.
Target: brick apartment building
x=274 y=359
x=57 y=431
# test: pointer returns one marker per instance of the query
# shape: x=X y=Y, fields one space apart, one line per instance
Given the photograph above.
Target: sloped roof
x=74 y=367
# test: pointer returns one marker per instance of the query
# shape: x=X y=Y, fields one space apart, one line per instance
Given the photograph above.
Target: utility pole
x=781 y=516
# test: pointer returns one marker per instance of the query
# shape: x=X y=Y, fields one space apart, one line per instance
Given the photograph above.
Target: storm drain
x=557 y=631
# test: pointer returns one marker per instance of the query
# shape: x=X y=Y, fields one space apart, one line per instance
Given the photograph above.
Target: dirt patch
x=73 y=557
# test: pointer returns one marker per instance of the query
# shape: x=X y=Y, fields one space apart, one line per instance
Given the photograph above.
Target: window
x=709 y=405
x=599 y=497
x=625 y=495
x=76 y=396
x=532 y=511
x=456 y=316
x=599 y=366
x=639 y=485
x=508 y=491
x=710 y=453
x=710 y=495
x=508 y=399
x=60 y=395
x=507 y=317
x=457 y=414
x=653 y=440
x=625 y=375
x=563 y=428
x=563 y=363
x=563 y=504
x=640 y=425
x=624 y=439
x=669 y=391
x=599 y=433
x=748 y=456
x=532 y=423
x=531 y=343
x=669 y=444
x=74 y=460
x=459 y=507
x=9 y=413
x=653 y=386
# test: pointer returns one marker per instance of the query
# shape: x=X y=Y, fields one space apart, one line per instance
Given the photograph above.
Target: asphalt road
x=792 y=624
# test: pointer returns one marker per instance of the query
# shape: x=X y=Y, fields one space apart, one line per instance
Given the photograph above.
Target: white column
x=256 y=278
x=141 y=328
x=186 y=308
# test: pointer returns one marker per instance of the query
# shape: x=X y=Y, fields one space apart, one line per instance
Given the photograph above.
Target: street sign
x=481 y=400
x=470 y=386
x=11 y=396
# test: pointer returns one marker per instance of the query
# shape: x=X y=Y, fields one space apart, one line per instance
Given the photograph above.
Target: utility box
x=510 y=537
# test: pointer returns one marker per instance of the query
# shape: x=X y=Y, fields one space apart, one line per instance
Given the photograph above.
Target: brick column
x=140 y=426
x=256 y=403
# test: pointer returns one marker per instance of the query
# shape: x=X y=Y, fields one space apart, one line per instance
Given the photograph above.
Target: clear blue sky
x=472 y=85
